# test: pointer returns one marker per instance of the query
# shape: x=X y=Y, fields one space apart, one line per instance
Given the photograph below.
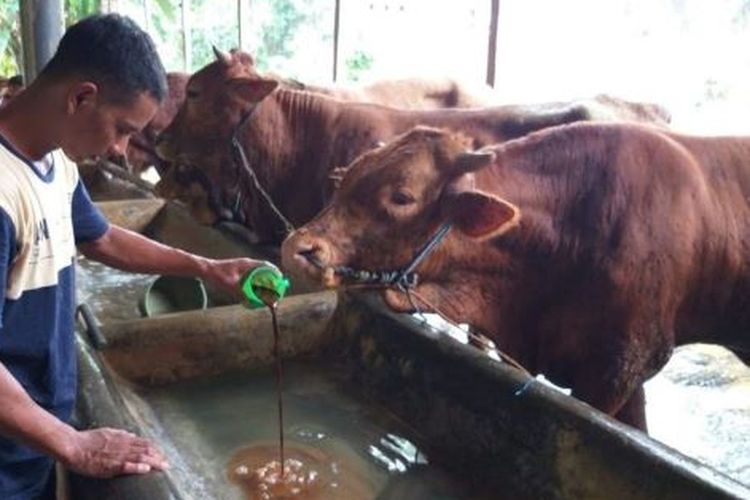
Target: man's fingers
x=153 y=461
x=135 y=468
x=142 y=446
x=133 y=454
x=141 y=452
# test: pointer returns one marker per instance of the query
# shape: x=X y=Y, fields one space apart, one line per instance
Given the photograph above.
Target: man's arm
x=100 y=452
x=130 y=251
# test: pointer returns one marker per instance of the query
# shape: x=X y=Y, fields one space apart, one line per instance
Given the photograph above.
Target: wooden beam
x=492 y=43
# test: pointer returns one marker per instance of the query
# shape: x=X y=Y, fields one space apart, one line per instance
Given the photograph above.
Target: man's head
x=13 y=86
x=112 y=81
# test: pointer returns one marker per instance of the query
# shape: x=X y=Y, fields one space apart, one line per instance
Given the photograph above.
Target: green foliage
x=358 y=64
x=10 y=38
x=224 y=37
x=292 y=37
x=286 y=18
x=208 y=29
x=165 y=8
x=76 y=10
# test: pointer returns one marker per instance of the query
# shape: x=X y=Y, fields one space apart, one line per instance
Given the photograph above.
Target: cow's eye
x=181 y=172
x=191 y=93
x=402 y=198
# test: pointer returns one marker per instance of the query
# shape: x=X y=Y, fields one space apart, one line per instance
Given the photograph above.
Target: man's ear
x=251 y=90
x=480 y=215
x=80 y=95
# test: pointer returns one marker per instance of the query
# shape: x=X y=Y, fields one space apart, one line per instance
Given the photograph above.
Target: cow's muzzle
x=306 y=257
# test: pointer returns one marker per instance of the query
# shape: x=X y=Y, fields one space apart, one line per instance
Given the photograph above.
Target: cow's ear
x=471 y=161
x=480 y=215
x=252 y=89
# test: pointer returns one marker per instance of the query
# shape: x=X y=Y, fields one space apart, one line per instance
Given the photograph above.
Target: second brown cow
x=586 y=251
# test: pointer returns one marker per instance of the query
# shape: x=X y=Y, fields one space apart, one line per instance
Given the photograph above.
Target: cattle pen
x=396 y=384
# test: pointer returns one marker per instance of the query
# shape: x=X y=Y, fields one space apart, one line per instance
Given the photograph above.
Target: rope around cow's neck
x=479 y=339
x=404 y=280
x=242 y=161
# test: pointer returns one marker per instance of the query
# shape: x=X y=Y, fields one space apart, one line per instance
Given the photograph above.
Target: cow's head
x=216 y=99
x=191 y=187
x=141 y=152
x=390 y=201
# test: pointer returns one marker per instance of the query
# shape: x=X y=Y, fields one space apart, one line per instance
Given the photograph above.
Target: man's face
x=98 y=127
x=12 y=90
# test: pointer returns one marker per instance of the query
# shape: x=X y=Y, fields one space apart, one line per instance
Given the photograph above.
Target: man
x=3 y=88
x=11 y=89
x=104 y=83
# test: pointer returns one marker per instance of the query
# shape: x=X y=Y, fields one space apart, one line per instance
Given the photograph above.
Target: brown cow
x=409 y=93
x=141 y=152
x=406 y=93
x=294 y=139
x=586 y=251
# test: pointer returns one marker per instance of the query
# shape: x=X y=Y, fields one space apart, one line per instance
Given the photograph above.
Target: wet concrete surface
x=699 y=404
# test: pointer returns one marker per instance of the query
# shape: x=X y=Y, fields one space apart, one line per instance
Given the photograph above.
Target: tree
x=76 y=10
x=357 y=64
x=11 y=57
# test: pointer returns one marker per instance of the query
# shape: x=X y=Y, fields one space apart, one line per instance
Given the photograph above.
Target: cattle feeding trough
x=403 y=407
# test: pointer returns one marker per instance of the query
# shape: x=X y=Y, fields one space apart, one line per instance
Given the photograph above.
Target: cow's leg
x=633 y=412
x=626 y=406
x=613 y=384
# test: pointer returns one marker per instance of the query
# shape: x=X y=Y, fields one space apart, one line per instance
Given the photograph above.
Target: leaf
x=168 y=9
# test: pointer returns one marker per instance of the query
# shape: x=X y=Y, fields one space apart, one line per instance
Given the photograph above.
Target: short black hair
x=113 y=52
x=16 y=80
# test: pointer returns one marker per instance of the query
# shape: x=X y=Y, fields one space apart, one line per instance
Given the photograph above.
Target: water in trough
x=698 y=404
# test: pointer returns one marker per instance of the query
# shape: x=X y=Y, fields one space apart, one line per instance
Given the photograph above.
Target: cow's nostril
x=311 y=256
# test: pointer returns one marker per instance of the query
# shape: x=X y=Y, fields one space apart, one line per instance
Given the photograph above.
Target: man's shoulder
x=66 y=167
x=11 y=180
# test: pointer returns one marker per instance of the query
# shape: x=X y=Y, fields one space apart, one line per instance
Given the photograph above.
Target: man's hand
x=129 y=251
x=226 y=274
x=111 y=452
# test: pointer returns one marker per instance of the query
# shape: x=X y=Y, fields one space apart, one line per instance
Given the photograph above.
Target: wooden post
x=336 y=18
x=146 y=16
x=242 y=8
x=42 y=27
x=187 y=43
x=492 y=45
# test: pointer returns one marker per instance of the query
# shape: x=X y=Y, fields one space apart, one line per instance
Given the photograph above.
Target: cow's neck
x=282 y=143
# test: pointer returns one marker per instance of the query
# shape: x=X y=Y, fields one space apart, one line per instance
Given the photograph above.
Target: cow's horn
x=471 y=161
x=221 y=55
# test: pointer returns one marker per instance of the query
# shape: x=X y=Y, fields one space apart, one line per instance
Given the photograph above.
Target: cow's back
x=661 y=218
x=723 y=290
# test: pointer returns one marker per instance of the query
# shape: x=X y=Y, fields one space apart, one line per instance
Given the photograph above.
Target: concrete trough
x=461 y=409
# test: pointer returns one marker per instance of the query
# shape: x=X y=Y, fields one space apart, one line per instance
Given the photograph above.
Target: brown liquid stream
x=307 y=473
x=271 y=299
